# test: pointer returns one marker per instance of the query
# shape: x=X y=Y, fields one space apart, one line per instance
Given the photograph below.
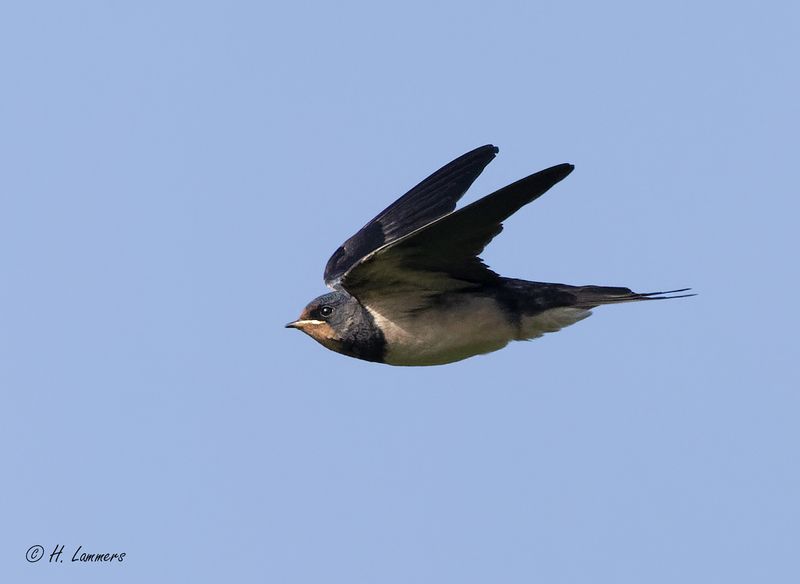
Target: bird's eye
x=325 y=311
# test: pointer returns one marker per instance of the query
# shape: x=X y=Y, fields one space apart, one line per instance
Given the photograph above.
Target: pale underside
x=473 y=326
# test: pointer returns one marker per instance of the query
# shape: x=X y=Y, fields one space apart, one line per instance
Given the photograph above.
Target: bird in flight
x=410 y=289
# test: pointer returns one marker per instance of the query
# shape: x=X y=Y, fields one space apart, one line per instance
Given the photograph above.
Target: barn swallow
x=410 y=289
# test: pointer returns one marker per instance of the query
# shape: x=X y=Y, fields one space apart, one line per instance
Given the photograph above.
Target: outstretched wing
x=443 y=255
x=434 y=197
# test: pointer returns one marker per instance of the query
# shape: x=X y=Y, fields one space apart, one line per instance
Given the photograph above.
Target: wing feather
x=443 y=254
x=434 y=197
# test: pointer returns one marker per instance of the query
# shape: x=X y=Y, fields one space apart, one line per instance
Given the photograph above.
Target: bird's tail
x=591 y=296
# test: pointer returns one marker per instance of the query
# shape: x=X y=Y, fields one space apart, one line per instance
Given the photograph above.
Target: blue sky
x=175 y=176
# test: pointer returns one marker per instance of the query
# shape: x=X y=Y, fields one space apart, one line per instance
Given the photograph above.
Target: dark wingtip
x=558 y=172
x=487 y=149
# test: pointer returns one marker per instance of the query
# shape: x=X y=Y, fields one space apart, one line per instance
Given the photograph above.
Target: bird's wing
x=443 y=255
x=434 y=197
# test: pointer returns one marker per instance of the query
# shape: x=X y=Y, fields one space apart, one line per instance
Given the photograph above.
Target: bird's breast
x=447 y=331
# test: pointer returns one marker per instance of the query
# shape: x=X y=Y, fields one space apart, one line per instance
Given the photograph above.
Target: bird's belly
x=436 y=336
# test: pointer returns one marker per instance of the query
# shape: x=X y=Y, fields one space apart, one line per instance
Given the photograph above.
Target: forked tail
x=591 y=296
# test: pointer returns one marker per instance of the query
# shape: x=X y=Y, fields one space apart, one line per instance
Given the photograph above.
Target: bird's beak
x=299 y=324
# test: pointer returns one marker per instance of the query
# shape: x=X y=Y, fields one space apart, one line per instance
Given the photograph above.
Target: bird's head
x=326 y=319
x=340 y=323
